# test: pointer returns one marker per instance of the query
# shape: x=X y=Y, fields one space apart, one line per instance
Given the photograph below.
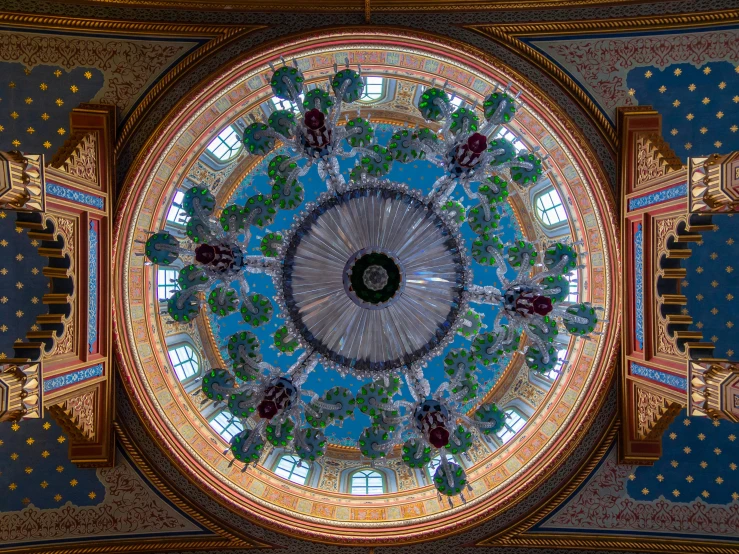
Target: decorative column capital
x=20 y=392
x=714 y=183
x=713 y=389
x=22 y=181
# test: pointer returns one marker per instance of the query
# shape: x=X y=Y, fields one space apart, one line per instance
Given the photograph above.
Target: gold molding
x=507 y=35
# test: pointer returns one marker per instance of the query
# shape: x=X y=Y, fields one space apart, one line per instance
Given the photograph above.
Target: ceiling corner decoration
x=237 y=92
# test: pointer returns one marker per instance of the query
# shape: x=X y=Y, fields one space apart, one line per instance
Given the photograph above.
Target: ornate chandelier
x=374 y=279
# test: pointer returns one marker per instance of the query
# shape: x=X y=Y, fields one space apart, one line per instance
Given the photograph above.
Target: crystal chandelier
x=374 y=279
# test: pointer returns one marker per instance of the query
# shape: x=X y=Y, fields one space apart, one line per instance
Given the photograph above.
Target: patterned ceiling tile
x=35 y=104
x=35 y=469
x=712 y=288
x=699 y=105
x=691 y=491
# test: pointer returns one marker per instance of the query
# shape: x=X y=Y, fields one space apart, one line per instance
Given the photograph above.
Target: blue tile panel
x=75 y=196
x=36 y=471
x=639 y=285
x=73 y=377
x=659 y=376
x=699 y=105
x=699 y=460
x=679 y=191
x=92 y=289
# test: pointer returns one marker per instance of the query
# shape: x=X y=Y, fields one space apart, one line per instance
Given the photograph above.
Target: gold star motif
x=692 y=87
x=44 y=484
x=73 y=482
x=19 y=285
x=12 y=486
x=46 y=453
x=4 y=299
x=29 y=470
x=699 y=269
x=734 y=128
x=2 y=128
x=703 y=130
x=35 y=327
x=699 y=297
x=11 y=84
x=676 y=493
x=632 y=477
x=704 y=465
x=61 y=130
x=735 y=496
x=676 y=103
x=88 y=75
x=47 y=144
x=719 y=114
x=717 y=144
x=35 y=243
x=714 y=310
x=43 y=86
x=58 y=73
x=673 y=436
x=690 y=117
x=662 y=89
x=674 y=463
x=717 y=451
x=645 y=490
x=14 y=456
x=58 y=497
x=722 y=85
x=736 y=99
x=701 y=436
x=34 y=300
x=19 y=314
x=30 y=130
x=61 y=439
x=673 y=132
x=678 y=72
x=92 y=496
x=729 y=352
x=19 y=257
x=687 y=450
x=632 y=92
x=714 y=338
x=34 y=271
x=689 y=479
x=719 y=480
x=59 y=102
x=732 y=466
x=16 y=143
x=26 y=501
x=714 y=283
x=648 y=74
x=730 y=241
x=660 y=478
x=688 y=146
x=706 y=100
x=3 y=328
x=705 y=494
x=47 y=426
x=59 y=469
x=73 y=88
x=28 y=100
x=707 y=70
x=732 y=437
x=30 y=441
x=45 y=116
x=729 y=324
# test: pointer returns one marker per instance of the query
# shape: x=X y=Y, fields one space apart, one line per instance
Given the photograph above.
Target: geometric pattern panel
x=699 y=105
x=36 y=103
x=22 y=283
x=711 y=285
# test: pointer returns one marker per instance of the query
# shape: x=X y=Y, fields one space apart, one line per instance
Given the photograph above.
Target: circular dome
x=393 y=262
x=408 y=506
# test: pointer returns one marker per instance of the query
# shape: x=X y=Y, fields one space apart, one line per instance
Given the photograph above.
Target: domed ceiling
x=363 y=282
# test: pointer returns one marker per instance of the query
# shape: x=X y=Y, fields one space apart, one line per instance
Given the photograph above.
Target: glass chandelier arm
x=293 y=93
x=447 y=117
x=485 y=294
x=164 y=247
x=336 y=111
x=441 y=189
x=303 y=367
x=261 y=264
x=256 y=434
x=448 y=473
x=461 y=393
x=330 y=171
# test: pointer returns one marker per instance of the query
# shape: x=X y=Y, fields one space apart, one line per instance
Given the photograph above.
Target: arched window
x=509 y=136
x=166 y=283
x=433 y=464
x=557 y=369
x=226 y=425
x=514 y=422
x=367 y=481
x=374 y=90
x=455 y=102
x=279 y=104
x=291 y=468
x=185 y=362
x=549 y=208
x=574 y=292
x=176 y=214
x=226 y=145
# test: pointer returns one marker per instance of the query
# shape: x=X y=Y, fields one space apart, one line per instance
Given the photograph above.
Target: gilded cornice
x=510 y=37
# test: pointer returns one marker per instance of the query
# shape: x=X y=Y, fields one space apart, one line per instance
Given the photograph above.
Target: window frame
x=367 y=476
x=175 y=210
x=233 y=150
x=173 y=286
x=232 y=421
x=382 y=94
x=194 y=358
x=294 y=460
x=574 y=279
x=508 y=431
x=541 y=212
x=555 y=372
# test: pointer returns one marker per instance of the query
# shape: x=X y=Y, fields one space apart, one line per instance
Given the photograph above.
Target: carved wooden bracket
x=714 y=183
x=654 y=158
x=21 y=392
x=713 y=389
x=22 y=182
